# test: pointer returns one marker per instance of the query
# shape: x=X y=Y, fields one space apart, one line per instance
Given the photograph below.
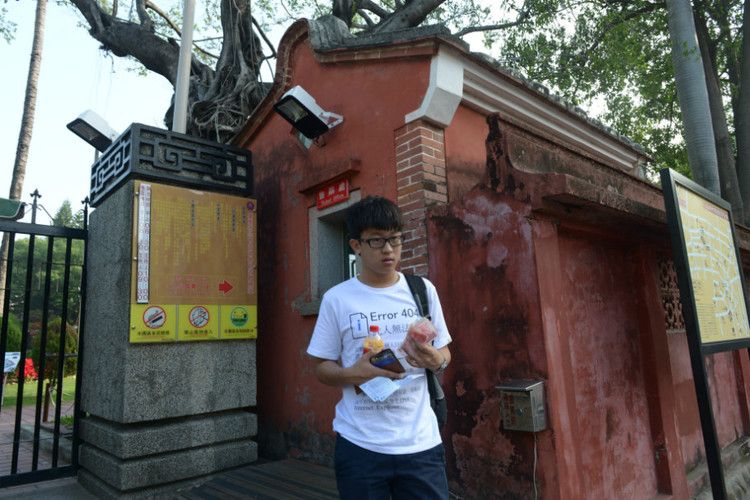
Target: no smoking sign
x=154 y=317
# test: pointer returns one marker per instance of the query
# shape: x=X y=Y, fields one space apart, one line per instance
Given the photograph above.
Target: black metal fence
x=42 y=328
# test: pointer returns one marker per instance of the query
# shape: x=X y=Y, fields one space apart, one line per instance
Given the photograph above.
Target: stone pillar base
x=157 y=459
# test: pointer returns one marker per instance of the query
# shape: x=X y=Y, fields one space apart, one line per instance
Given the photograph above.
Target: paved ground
x=25 y=448
x=283 y=480
x=58 y=489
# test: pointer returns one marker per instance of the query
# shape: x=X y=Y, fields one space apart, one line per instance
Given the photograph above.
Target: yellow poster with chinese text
x=194 y=249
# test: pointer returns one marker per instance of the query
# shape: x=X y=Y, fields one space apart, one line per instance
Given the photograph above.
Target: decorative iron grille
x=670 y=297
x=145 y=152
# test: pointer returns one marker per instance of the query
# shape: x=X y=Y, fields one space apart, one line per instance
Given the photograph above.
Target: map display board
x=712 y=292
x=711 y=256
x=194 y=266
x=717 y=280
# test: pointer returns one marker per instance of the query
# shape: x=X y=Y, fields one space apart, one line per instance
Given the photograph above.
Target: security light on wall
x=300 y=109
x=93 y=129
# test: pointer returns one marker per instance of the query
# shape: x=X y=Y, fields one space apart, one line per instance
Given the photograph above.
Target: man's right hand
x=331 y=373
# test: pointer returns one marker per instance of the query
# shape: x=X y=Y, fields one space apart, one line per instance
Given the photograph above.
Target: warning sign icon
x=154 y=317
x=199 y=316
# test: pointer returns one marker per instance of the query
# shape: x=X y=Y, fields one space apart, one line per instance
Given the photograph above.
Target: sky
x=75 y=76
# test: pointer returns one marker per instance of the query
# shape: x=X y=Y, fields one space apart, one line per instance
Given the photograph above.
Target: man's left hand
x=421 y=355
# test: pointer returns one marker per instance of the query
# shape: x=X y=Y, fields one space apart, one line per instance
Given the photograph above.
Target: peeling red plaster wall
x=488 y=300
x=465 y=152
x=498 y=336
x=608 y=380
x=724 y=396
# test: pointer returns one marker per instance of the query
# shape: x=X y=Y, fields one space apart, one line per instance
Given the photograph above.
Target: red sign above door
x=333 y=193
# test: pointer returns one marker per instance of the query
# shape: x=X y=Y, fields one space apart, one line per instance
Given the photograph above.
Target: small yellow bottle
x=373 y=340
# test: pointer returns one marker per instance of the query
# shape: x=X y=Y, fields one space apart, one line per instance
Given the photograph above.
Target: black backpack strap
x=419 y=290
x=437 y=396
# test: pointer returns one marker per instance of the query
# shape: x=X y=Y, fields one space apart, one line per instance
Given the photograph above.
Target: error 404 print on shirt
x=390 y=323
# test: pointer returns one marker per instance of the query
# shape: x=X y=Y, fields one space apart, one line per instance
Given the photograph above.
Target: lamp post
x=182 y=86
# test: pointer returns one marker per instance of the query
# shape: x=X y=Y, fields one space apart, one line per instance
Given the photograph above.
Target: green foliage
x=56 y=265
x=7 y=28
x=13 y=342
x=52 y=352
x=64 y=217
x=459 y=15
x=30 y=391
x=39 y=269
x=613 y=58
x=273 y=12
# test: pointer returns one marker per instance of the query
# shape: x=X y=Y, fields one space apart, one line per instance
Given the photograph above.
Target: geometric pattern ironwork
x=150 y=153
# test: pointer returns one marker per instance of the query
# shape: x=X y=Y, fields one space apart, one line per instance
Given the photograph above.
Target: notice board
x=712 y=292
x=707 y=259
x=194 y=268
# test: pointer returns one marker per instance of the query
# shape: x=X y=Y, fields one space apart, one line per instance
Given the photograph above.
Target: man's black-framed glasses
x=394 y=241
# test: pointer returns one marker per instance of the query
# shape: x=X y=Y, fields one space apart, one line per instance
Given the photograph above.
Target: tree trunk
x=220 y=102
x=693 y=96
x=412 y=14
x=27 y=124
x=125 y=38
x=730 y=189
x=742 y=117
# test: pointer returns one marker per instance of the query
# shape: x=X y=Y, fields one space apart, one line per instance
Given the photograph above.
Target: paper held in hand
x=380 y=388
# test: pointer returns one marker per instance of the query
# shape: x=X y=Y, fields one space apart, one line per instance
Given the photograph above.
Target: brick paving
x=26 y=447
x=55 y=489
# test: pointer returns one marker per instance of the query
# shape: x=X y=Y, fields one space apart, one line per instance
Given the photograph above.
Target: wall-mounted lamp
x=300 y=109
x=93 y=129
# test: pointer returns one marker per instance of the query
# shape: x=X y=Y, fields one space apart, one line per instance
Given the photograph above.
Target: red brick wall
x=421 y=181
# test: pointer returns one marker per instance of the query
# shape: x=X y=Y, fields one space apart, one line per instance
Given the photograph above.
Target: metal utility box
x=523 y=405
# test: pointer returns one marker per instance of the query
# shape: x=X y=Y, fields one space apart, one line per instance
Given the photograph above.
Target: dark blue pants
x=366 y=475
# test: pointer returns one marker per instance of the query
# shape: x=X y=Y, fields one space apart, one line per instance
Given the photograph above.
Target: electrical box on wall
x=523 y=405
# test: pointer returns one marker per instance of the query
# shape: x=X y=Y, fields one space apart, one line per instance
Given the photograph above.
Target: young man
x=391 y=449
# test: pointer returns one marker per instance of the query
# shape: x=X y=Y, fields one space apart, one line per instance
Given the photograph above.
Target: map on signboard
x=714 y=271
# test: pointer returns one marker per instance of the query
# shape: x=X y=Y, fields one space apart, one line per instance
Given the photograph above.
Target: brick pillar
x=420 y=173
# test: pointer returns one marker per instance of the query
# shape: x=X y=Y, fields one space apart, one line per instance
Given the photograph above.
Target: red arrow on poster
x=225 y=287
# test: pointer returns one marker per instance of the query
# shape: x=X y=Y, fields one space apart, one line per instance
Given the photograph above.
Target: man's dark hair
x=373 y=212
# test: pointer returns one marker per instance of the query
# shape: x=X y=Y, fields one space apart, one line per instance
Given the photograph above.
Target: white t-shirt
x=403 y=423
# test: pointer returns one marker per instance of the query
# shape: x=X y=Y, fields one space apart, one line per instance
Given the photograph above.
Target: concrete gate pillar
x=161 y=417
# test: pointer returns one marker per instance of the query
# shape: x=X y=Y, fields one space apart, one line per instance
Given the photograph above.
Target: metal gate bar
x=43 y=352
x=56 y=470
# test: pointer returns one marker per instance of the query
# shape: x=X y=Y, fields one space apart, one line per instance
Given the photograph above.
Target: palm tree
x=693 y=95
x=27 y=124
